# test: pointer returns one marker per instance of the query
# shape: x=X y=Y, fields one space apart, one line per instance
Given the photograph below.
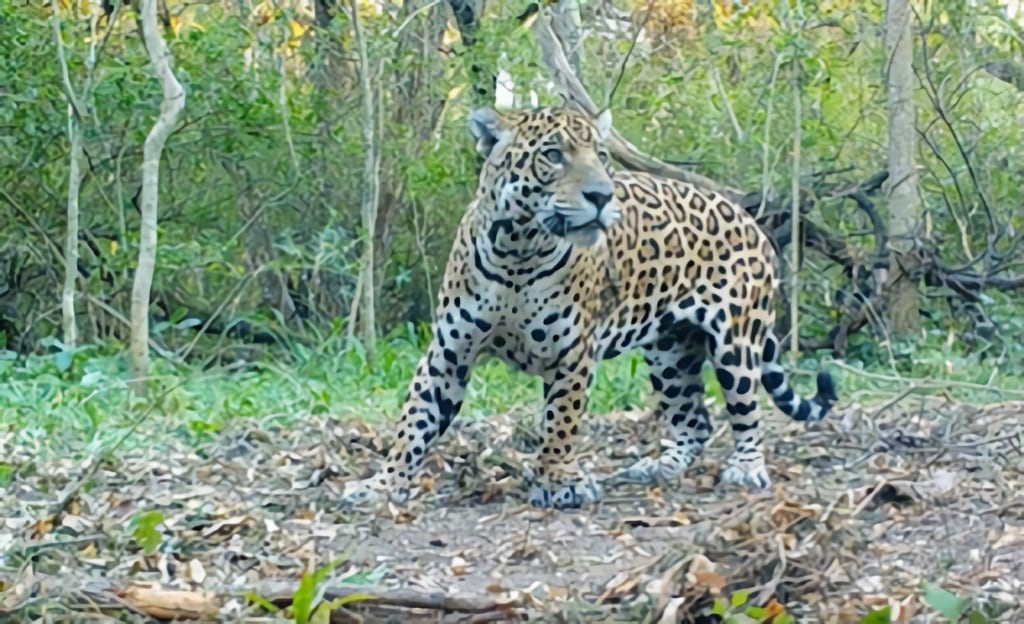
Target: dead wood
x=164 y=602
x=280 y=593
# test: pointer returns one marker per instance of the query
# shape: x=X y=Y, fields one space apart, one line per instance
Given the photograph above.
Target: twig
x=34 y=549
x=769 y=588
x=927 y=383
x=894 y=400
x=716 y=81
x=935 y=97
x=629 y=53
x=882 y=482
x=766 y=145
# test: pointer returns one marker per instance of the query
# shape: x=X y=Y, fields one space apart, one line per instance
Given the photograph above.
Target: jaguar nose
x=598 y=199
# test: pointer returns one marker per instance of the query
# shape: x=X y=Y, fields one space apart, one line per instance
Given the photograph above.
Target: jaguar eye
x=554 y=156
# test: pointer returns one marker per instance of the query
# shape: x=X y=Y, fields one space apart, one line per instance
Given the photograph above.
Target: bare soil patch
x=866 y=508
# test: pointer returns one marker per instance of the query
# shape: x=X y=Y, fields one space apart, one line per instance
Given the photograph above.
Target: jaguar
x=562 y=260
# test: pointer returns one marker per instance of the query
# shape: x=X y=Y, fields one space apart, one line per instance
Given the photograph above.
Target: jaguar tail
x=774 y=380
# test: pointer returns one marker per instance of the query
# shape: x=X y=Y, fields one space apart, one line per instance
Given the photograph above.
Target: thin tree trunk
x=905 y=214
x=68 y=320
x=566 y=22
x=170 y=107
x=794 y=276
x=367 y=318
x=67 y=298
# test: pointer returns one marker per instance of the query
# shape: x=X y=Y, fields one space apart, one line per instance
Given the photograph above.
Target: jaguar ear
x=488 y=128
x=604 y=124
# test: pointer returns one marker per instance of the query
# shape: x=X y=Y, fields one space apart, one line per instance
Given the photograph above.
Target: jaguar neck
x=518 y=237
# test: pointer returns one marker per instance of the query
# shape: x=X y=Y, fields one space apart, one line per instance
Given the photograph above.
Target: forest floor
x=916 y=504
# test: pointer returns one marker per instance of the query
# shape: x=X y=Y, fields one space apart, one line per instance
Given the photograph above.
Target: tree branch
x=622 y=150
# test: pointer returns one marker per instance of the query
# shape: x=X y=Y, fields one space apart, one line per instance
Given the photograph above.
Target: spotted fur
x=562 y=261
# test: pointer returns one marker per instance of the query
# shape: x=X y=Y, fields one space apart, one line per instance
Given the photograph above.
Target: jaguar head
x=550 y=165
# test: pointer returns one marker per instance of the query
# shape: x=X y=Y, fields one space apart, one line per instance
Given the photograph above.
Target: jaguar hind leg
x=737 y=368
x=675 y=363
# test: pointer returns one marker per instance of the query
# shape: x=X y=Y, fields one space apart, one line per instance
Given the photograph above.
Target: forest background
x=310 y=185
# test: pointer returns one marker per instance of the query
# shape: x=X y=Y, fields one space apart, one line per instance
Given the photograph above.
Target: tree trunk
x=794 y=268
x=409 y=119
x=170 y=107
x=68 y=322
x=901 y=189
x=71 y=242
x=367 y=314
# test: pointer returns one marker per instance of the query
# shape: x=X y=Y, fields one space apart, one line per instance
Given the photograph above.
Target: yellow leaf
x=113 y=247
x=296 y=29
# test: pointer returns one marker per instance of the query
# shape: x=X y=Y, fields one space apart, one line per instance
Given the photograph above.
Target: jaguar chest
x=537 y=340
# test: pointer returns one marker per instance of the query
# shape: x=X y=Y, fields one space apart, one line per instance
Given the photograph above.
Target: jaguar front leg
x=434 y=399
x=558 y=482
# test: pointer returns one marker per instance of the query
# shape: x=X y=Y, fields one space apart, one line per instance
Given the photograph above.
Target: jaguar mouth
x=559 y=225
x=585 y=234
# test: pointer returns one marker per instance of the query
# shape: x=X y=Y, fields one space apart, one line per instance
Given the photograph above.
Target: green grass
x=80 y=399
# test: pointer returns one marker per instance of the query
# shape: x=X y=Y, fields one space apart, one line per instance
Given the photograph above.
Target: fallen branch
x=280 y=593
x=163 y=602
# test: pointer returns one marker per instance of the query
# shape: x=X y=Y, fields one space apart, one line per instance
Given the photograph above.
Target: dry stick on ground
x=167 y=603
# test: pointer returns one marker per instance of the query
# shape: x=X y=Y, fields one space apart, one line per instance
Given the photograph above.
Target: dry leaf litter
x=866 y=507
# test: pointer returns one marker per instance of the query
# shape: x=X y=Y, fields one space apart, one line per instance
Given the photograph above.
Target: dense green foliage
x=260 y=187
